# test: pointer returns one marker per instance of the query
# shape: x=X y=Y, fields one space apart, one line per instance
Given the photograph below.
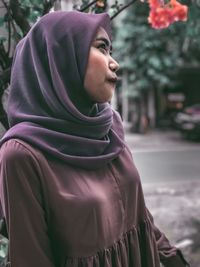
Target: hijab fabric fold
x=48 y=106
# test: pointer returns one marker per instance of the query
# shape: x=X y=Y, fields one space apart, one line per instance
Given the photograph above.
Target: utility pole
x=125 y=107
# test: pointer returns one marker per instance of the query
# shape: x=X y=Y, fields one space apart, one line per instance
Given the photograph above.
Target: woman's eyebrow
x=107 y=42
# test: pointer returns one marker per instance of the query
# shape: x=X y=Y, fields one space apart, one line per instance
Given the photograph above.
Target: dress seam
x=118 y=185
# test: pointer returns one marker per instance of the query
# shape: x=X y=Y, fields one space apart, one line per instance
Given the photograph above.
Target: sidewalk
x=175 y=206
x=158 y=139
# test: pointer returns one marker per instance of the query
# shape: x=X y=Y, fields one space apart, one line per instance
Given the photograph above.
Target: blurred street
x=164 y=156
x=169 y=167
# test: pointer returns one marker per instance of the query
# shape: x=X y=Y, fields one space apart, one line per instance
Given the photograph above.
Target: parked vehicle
x=188 y=121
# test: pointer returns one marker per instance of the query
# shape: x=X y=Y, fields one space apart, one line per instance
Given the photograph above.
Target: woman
x=70 y=192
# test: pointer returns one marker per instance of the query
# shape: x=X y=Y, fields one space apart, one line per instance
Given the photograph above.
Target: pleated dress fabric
x=61 y=216
x=94 y=218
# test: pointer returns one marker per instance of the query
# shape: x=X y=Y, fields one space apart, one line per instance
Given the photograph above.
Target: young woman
x=70 y=193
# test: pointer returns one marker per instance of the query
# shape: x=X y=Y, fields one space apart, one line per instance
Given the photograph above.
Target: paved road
x=165 y=157
x=169 y=167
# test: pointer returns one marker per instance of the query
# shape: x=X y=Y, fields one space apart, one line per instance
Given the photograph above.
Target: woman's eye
x=103 y=48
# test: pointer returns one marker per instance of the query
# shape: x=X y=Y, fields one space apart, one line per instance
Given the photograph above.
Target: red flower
x=179 y=11
x=162 y=15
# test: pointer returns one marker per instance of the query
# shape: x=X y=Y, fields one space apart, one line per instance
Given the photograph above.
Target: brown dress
x=61 y=216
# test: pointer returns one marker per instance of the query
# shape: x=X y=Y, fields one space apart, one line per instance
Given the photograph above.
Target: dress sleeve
x=23 y=208
x=169 y=255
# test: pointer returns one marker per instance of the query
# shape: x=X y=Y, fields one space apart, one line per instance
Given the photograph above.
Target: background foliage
x=153 y=57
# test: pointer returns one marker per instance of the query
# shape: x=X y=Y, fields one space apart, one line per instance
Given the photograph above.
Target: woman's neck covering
x=48 y=106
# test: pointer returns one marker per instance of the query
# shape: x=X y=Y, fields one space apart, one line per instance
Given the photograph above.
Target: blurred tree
x=15 y=21
x=152 y=57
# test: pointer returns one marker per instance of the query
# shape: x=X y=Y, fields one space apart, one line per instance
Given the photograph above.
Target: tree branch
x=18 y=16
x=122 y=8
x=88 y=5
x=3 y=117
x=3 y=56
x=47 y=6
x=4 y=78
x=9 y=37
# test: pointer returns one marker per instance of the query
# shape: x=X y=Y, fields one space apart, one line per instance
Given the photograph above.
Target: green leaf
x=2 y=21
x=34 y=15
x=3 y=247
x=155 y=62
x=2 y=39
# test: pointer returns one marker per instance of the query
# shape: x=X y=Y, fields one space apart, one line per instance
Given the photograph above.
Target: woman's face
x=100 y=78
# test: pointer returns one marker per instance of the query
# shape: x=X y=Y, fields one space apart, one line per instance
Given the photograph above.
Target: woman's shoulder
x=18 y=150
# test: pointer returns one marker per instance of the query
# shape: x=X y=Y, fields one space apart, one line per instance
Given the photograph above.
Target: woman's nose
x=113 y=65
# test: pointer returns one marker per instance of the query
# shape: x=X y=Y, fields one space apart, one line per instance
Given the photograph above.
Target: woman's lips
x=113 y=80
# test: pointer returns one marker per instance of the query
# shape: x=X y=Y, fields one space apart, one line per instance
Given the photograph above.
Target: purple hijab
x=48 y=106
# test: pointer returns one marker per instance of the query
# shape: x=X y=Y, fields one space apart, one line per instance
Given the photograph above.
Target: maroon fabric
x=70 y=192
x=61 y=216
x=48 y=106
